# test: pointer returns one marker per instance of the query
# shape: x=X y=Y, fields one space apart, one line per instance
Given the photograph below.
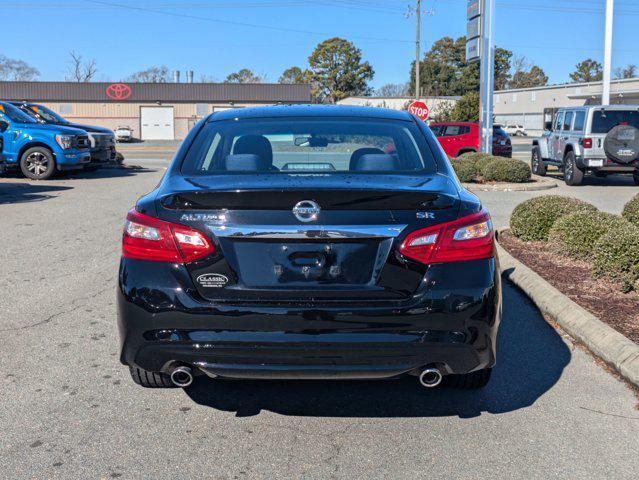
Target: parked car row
x=39 y=142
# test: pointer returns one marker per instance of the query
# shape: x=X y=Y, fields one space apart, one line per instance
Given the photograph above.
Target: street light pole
x=605 y=97
x=487 y=77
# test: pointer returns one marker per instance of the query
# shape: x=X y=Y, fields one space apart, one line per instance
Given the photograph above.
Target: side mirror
x=3 y=126
x=548 y=126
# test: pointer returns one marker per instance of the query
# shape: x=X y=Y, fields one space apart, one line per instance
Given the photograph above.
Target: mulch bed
x=601 y=297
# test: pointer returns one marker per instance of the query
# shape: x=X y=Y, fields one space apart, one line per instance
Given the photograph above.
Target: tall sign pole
x=487 y=77
x=417 y=42
x=480 y=46
x=605 y=98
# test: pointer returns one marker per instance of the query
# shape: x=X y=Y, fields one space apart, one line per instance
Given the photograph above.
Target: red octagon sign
x=118 y=91
x=419 y=109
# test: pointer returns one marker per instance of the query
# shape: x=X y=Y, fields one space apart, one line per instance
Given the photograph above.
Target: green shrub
x=506 y=170
x=465 y=169
x=533 y=219
x=616 y=256
x=576 y=234
x=501 y=169
x=631 y=211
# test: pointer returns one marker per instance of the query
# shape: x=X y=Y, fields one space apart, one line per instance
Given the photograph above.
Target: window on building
x=66 y=109
x=533 y=96
x=202 y=109
x=580 y=118
x=514 y=97
x=497 y=98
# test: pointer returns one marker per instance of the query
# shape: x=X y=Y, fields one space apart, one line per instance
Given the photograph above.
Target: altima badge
x=306 y=211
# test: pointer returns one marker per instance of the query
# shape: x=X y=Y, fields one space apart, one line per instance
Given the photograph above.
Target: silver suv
x=574 y=141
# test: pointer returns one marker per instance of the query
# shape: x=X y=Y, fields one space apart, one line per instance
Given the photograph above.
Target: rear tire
x=150 y=379
x=573 y=175
x=469 y=381
x=537 y=165
x=37 y=163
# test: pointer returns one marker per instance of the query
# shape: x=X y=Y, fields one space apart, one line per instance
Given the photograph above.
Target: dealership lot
x=70 y=410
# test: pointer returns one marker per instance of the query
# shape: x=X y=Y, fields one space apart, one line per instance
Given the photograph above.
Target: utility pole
x=487 y=76
x=418 y=17
x=605 y=97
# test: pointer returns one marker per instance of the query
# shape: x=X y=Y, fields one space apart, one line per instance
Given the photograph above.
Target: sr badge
x=212 y=280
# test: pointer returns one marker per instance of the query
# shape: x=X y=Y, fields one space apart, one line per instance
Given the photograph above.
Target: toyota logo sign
x=118 y=91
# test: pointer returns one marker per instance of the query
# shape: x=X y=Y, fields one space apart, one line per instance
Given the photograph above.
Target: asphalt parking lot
x=69 y=410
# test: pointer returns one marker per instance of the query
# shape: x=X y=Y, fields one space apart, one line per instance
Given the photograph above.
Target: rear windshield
x=605 y=120
x=308 y=145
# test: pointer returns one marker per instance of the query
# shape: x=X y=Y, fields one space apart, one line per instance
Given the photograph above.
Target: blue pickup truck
x=102 y=139
x=40 y=150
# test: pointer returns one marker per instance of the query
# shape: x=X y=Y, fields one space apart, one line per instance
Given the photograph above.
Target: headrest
x=246 y=162
x=376 y=162
x=359 y=152
x=256 y=145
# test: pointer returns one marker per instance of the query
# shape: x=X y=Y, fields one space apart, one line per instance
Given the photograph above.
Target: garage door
x=157 y=123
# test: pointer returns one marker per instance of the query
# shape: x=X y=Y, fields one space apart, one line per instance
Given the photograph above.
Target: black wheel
x=469 y=381
x=150 y=379
x=536 y=163
x=573 y=175
x=37 y=163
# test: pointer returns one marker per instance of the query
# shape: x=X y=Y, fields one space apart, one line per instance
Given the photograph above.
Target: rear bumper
x=454 y=328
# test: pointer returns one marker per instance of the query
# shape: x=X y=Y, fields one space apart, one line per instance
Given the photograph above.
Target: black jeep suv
x=311 y=242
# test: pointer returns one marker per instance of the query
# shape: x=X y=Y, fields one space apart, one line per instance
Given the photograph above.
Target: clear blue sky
x=216 y=37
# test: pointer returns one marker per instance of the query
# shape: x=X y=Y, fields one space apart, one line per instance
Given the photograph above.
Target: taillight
x=467 y=238
x=148 y=238
x=587 y=142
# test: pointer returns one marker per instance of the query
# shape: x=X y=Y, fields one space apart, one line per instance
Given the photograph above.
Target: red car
x=457 y=138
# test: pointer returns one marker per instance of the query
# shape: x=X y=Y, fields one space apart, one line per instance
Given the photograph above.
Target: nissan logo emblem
x=306 y=211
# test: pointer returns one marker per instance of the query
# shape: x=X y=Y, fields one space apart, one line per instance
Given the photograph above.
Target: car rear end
x=599 y=123
x=502 y=146
x=308 y=247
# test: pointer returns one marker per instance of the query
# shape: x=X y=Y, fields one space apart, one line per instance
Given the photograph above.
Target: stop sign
x=419 y=109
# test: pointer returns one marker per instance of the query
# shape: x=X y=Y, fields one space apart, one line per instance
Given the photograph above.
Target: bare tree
x=79 y=69
x=158 y=74
x=629 y=71
x=16 y=70
x=244 y=76
x=393 y=90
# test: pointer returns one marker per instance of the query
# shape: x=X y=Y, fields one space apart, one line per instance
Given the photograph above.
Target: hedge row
x=482 y=167
x=631 y=211
x=578 y=230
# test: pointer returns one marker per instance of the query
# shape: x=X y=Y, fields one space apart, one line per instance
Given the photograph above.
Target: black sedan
x=309 y=242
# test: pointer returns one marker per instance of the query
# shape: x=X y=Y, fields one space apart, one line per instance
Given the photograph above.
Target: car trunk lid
x=269 y=250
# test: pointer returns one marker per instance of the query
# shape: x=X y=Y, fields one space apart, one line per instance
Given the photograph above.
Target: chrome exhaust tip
x=182 y=377
x=430 y=377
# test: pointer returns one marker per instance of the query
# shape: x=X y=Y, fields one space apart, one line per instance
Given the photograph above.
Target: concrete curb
x=540 y=183
x=602 y=340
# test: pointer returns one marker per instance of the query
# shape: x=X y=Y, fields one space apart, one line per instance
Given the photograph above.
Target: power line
x=240 y=24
